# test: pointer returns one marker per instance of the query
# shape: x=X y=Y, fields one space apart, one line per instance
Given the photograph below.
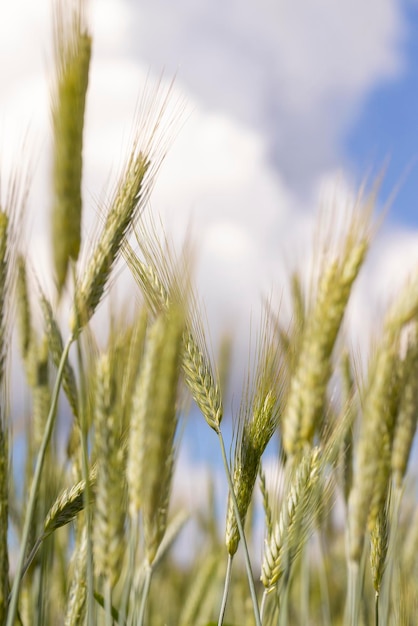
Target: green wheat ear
x=73 y=52
x=108 y=519
x=153 y=427
x=163 y=278
x=307 y=393
x=258 y=420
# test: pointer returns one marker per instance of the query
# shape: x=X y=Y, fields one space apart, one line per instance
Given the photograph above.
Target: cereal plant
x=87 y=533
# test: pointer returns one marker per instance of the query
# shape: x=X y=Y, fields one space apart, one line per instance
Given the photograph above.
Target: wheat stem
x=144 y=597
x=76 y=603
x=263 y=603
x=108 y=603
x=241 y=531
x=11 y=615
x=83 y=431
x=227 y=584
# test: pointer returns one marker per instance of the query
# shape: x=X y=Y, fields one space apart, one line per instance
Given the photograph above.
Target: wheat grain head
x=160 y=274
x=129 y=198
x=294 y=521
x=153 y=426
x=258 y=420
x=72 y=43
x=379 y=543
x=76 y=601
x=406 y=419
x=306 y=399
x=109 y=515
x=380 y=410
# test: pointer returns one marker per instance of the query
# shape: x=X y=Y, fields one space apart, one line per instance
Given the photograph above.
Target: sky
x=287 y=105
x=284 y=101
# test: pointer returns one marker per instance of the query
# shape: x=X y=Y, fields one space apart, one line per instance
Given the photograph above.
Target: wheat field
x=87 y=532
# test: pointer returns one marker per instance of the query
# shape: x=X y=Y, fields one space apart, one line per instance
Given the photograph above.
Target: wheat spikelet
x=56 y=347
x=295 y=518
x=379 y=541
x=306 y=401
x=68 y=504
x=128 y=198
x=72 y=52
x=23 y=308
x=373 y=457
x=109 y=518
x=381 y=480
x=65 y=509
x=406 y=419
x=201 y=382
x=161 y=422
x=380 y=410
x=155 y=292
x=259 y=415
x=141 y=401
x=153 y=426
x=76 y=603
x=368 y=450
x=345 y=464
x=196 y=363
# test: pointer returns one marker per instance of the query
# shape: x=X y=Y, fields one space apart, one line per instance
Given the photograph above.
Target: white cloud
x=294 y=69
x=269 y=88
